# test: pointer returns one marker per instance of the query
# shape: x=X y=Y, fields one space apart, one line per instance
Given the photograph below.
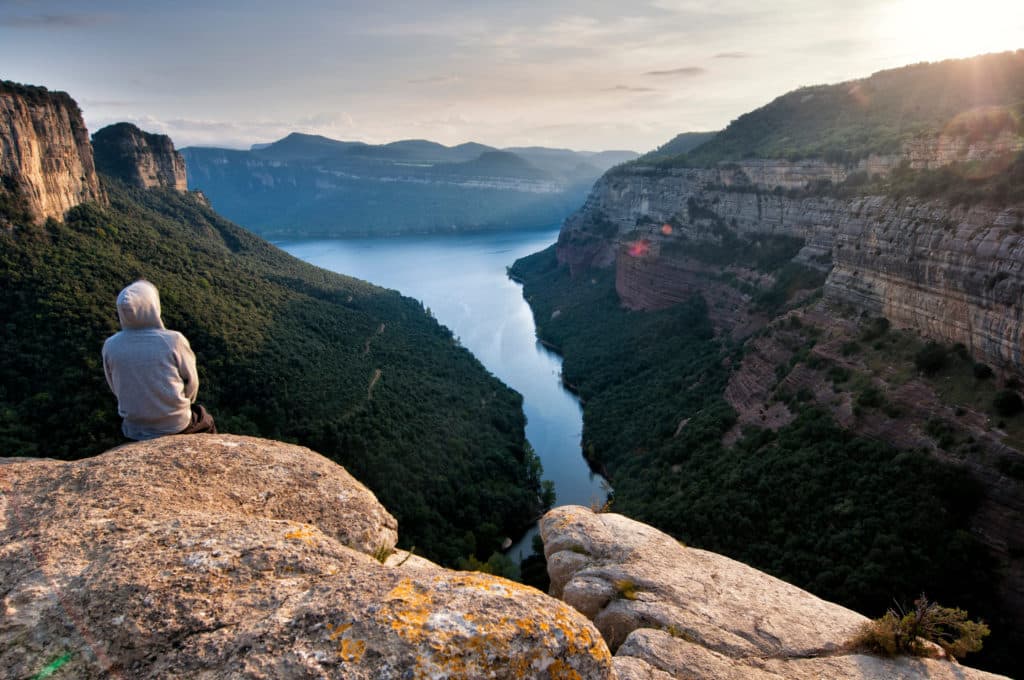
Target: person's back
x=150 y=369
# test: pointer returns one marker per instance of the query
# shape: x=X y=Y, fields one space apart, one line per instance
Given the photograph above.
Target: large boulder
x=224 y=556
x=670 y=611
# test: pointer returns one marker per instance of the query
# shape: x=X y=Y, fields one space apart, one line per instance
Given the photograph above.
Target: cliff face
x=226 y=556
x=140 y=159
x=45 y=154
x=953 y=273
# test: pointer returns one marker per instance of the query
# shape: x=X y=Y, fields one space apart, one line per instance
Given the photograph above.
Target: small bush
x=626 y=589
x=899 y=632
x=1007 y=403
x=931 y=358
x=982 y=371
x=849 y=348
x=874 y=329
x=871 y=397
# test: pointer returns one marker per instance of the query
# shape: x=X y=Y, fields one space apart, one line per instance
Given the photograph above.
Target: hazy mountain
x=304 y=185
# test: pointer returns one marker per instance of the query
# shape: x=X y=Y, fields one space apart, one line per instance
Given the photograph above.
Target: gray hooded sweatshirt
x=151 y=370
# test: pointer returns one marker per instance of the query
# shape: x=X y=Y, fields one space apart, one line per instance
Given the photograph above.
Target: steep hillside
x=768 y=347
x=875 y=115
x=307 y=185
x=284 y=349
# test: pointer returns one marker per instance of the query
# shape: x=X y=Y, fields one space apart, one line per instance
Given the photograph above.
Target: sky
x=594 y=75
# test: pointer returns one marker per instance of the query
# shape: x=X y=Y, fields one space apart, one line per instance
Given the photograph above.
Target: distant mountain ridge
x=310 y=185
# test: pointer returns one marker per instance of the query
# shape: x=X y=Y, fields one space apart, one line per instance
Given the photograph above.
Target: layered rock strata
x=671 y=611
x=954 y=273
x=45 y=156
x=224 y=556
x=141 y=159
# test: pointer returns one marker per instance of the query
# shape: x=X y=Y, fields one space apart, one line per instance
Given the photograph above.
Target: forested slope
x=285 y=350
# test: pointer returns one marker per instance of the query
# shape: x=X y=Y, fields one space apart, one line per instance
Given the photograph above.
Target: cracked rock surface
x=671 y=611
x=220 y=556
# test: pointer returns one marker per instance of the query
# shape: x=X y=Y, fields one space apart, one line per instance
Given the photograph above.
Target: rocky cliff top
x=141 y=159
x=227 y=556
x=672 y=611
x=45 y=156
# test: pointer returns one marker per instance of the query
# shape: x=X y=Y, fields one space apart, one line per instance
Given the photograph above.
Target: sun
x=931 y=30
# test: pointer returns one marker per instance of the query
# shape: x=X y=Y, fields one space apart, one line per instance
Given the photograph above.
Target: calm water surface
x=462 y=280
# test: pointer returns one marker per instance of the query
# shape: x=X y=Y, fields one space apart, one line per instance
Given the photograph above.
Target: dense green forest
x=875 y=115
x=849 y=518
x=285 y=350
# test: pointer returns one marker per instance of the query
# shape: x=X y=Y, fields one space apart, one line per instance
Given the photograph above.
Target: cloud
x=688 y=71
x=52 y=20
x=628 y=88
x=434 y=80
x=732 y=55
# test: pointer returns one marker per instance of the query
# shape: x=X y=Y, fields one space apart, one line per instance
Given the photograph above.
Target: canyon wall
x=140 y=159
x=45 y=156
x=954 y=273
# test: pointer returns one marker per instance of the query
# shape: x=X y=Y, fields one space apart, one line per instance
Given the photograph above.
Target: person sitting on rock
x=152 y=371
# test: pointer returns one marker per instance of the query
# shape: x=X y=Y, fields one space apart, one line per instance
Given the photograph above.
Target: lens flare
x=638 y=248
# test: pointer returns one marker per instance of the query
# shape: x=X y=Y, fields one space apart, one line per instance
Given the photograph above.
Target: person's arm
x=187 y=369
x=108 y=371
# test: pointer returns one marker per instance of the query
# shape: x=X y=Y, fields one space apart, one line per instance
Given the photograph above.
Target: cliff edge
x=140 y=159
x=228 y=556
x=45 y=156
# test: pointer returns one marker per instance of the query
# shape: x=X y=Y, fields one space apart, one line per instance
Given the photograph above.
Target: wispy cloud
x=687 y=71
x=434 y=80
x=52 y=20
x=628 y=88
x=732 y=55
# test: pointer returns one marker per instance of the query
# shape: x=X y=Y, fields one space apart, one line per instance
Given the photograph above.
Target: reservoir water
x=462 y=279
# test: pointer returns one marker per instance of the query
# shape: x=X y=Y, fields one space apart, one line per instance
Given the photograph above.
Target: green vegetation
x=1007 y=403
x=680 y=144
x=910 y=632
x=850 y=518
x=848 y=121
x=931 y=358
x=626 y=589
x=285 y=350
x=999 y=182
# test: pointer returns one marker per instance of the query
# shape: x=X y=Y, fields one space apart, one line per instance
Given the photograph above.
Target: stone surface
x=45 y=151
x=675 y=612
x=140 y=159
x=220 y=556
x=657 y=655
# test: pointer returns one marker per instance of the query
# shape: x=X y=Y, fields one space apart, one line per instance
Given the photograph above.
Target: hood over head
x=138 y=306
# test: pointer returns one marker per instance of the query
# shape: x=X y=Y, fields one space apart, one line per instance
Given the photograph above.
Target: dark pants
x=201 y=422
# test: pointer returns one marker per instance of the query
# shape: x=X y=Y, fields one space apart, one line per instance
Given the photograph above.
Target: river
x=462 y=279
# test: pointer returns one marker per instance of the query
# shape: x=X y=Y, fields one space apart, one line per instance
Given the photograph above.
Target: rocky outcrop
x=945 y=148
x=45 y=156
x=223 y=556
x=671 y=611
x=140 y=159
